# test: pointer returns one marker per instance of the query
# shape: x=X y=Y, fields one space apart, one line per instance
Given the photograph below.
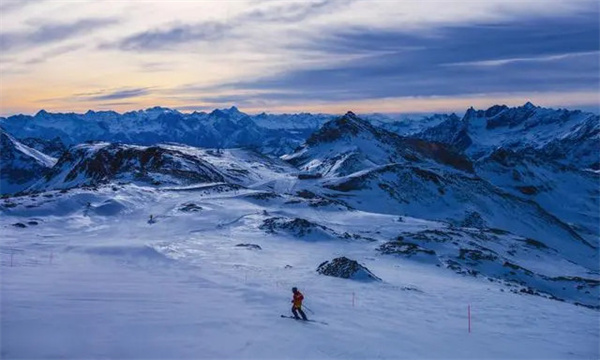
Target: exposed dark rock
x=473 y=220
x=95 y=164
x=9 y=204
x=250 y=246
x=309 y=175
x=53 y=147
x=343 y=267
x=21 y=165
x=263 y=196
x=402 y=247
x=190 y=207
x=536 y=244
x=528 y=190
x=476 y=255
x=299 y=227
x=19 y=225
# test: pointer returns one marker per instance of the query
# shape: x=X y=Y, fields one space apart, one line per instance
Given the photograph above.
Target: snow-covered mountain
x=101 y=163
x=406 y=125
x=53 y=147
x=349 y=144
x=173 y=165
x=221 y=128
x=377 y=171
x=569 y=137
x=21 y=165
x=571 y=194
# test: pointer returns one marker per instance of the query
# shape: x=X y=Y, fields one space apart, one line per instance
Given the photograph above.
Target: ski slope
x=102 y=281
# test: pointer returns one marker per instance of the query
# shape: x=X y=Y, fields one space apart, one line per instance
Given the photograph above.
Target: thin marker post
x=469 y=316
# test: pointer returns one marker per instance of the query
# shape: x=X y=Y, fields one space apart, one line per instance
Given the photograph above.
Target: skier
x=297 y=304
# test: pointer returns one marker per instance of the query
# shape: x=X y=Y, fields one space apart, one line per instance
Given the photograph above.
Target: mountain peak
x=347 y=125
x=158 y=108
x=41 y=113
x=233 y=113
x=351 y=115
x=529 y=106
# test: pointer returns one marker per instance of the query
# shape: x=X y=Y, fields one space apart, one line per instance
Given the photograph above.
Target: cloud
x=7 y=6
x=119 y=94
x=180 y=34
x=105 y=95
x=525 y=54
x=47 y=55
x=118 y=103
x=175 y=35
x=291 y=12
x=500 y=62
x=51 y=33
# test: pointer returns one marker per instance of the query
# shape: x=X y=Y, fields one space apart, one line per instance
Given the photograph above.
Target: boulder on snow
x=343 y=267
x=190 y=207
x=250 y=246
x=297 y=227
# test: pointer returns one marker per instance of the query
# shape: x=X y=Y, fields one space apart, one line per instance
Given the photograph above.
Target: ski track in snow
x=110 y=285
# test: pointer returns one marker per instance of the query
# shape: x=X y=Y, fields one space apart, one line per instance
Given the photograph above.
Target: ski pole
x=309 y=309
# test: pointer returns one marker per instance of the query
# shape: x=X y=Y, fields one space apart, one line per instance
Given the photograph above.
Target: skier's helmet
x=294 y=289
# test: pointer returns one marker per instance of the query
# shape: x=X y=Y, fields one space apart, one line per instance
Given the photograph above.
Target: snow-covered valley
x=172 y=251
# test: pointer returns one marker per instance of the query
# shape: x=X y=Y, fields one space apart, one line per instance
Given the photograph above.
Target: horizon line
x=189 y=110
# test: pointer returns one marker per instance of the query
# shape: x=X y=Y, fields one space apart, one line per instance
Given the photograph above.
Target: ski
x=309 y=320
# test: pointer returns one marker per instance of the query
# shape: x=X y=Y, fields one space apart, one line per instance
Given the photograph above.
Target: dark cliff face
x=120 y=162
x=19 y=166
x=53 y=147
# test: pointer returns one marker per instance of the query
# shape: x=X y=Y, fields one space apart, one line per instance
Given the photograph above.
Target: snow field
x=119 y=287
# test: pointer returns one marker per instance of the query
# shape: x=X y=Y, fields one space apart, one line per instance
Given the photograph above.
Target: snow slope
x=82 y=281
x=568 y=193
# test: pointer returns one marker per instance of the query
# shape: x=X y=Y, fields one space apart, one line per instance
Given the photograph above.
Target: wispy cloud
x=536 y=54
x=290 y=11
x=180 y=34
x=7 y=6
x=119 y=94
x=47 y=55
x=116 y=103
x=51 y=33
x=500 y=62
x=174 y=35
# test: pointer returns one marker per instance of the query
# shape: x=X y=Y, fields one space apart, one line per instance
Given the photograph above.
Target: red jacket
x=298 y=297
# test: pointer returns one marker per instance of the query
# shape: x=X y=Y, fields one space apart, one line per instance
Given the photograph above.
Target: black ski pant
x=295 y=311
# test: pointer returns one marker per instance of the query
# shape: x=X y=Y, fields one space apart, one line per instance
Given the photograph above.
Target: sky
x=325 y=56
